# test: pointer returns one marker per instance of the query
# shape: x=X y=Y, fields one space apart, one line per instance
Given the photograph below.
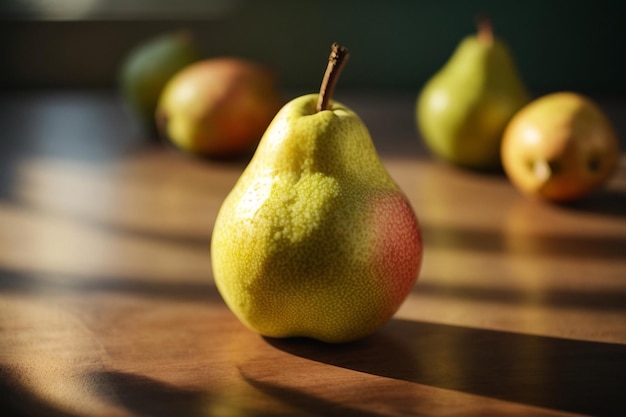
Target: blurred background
x=395 y=44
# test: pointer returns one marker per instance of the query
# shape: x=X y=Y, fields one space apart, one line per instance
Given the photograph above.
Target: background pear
x=147 y=68
x=316 y=239
x=463 y=109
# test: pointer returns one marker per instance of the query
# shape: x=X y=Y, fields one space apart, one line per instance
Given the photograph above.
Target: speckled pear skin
x=315 y=239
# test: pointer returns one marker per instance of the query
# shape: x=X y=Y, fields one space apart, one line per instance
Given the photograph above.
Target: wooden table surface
x=107 y=305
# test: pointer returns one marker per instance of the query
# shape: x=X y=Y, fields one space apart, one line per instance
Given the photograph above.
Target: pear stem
x=485 y=29
x=336 y=61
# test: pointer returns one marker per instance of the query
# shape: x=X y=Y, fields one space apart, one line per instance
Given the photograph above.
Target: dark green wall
x=577 y=45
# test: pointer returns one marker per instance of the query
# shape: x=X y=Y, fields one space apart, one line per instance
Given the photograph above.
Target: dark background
x=396 y=45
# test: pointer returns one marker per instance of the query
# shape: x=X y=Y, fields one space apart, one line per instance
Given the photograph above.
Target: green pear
x=147 y=68
x=463 y=109
x=316 y=239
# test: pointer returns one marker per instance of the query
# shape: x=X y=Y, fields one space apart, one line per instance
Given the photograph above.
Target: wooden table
x=107 y=305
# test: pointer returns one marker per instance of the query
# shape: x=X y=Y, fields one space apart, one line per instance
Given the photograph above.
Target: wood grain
x=107 y=305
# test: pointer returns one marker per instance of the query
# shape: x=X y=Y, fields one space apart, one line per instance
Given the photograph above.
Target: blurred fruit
x=559 y=147
x=218 y=107
x=147 y=68
x=463 y=109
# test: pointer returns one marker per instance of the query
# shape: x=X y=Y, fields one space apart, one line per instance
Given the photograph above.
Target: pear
x=147 y=68
x=463 y=109
x=560 y=147
x=316 y=239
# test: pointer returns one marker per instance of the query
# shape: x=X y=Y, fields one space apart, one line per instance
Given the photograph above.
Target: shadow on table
x=144 y=396
x=25 y=282
x=568 y=375
x=141 y=395
x=606 y=202
x=585 y=247
x=18 y=401
x=592 y=299
x=148 y=397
